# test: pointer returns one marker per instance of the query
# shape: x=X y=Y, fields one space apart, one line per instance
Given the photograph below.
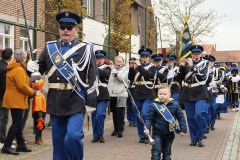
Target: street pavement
x=221 y=144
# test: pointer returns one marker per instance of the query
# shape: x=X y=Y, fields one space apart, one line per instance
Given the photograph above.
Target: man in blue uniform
x=143 y=76
x=131 y=111
x=174 y=82
x=194 y=71
x=162 y=71
x=99 y=115
x=73 y=86
x=228 y=73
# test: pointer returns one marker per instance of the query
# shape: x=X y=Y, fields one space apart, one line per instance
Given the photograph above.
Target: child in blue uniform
x=163 y=131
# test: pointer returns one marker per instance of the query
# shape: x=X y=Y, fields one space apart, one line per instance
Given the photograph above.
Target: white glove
x=33 y=66
x=89 y=110
x=222 y=86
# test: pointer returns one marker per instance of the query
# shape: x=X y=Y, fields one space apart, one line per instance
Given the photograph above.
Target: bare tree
x=202 y=20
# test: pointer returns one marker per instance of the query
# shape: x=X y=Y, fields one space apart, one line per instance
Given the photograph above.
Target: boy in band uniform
x=162 y=71
x=164 y=128
x=99 y=114
x=174 y=82
x=194 y=71
x=143 y=76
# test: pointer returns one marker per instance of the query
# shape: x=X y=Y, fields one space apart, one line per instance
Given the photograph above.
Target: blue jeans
x=162 y=145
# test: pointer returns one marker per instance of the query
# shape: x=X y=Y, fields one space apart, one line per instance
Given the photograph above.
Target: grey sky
x=227 y=35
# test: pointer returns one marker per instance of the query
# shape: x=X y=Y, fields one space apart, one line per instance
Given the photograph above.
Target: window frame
x=11 y=36
x=104 y=10
x=90 y=8
x=25 y=39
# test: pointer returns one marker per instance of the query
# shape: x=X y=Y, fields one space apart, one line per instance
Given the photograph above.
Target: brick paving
x=216 y=146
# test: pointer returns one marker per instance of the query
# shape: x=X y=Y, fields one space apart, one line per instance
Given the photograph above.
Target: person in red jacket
x=39 y=111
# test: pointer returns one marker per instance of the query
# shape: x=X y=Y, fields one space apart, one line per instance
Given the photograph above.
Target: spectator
x=118 y=94
x=6 y=58
x=16 y=99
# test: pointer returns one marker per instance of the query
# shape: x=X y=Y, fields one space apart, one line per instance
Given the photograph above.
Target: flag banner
x=186 y=41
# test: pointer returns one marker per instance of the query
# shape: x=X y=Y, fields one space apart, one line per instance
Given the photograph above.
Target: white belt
x=60 y=86
x=193 y=85
x=143 y=83
x=103 y=84
x=175 y=82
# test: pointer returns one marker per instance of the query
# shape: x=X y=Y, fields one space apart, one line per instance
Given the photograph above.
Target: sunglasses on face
x=69 y=28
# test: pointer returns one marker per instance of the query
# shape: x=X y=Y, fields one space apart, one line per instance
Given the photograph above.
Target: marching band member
x=73 y=86
x=233 y=81
x=195 y=73
x=144 y=76
x=174 y=83
x=162 y=71
x=228 y=73
x=131 y=112
x=211 y=104
x=99 y=115
x=221 y=105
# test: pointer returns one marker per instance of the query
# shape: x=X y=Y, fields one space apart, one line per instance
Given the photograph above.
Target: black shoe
x=9 y=150
x=101 y=139
x=200 y=143
x=115 y=132
x=231 y=107
x=207 y=131
x=130 y=124
x=219 y=117
x=146 y=140
x=95 y=139
x=193 y=143
x=23 y=148
x=141 y=140
x=212 y=127
x=204 y=137
x=135 y=124
x=120 y=133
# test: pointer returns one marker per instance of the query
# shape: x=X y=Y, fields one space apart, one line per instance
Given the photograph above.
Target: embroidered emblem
x=186 y=35
x=66 y=14
x=57 y=59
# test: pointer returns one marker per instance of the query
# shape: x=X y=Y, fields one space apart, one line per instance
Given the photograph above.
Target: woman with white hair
x=118 y=93
x=16 y=99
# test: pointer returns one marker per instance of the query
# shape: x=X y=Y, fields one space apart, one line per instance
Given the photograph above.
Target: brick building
x=12 y=31
x=94 y=24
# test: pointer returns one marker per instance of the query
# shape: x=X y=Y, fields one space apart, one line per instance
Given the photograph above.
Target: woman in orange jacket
x=16 y=99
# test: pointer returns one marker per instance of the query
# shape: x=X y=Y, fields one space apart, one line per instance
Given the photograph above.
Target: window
x=90 y=8
x=104 y=10
x=6 y=36
x=24 y=39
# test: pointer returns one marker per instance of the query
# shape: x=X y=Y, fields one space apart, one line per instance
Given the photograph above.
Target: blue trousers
x=228 y=99
x=67 y=135
x=143 y=106
x=131 y=112
x=212 y=111
x=98 y=117
x=195 y=116
x=175 y=96
x=206 y=117
x=163 y=145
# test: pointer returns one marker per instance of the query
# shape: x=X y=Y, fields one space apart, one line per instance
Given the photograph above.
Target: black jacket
x=141 y=92
x=67 y=102
x=198 y=92
x=104 y=74
x=3 y=71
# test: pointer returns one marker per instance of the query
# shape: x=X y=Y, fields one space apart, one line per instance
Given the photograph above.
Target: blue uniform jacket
x=160 y=125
